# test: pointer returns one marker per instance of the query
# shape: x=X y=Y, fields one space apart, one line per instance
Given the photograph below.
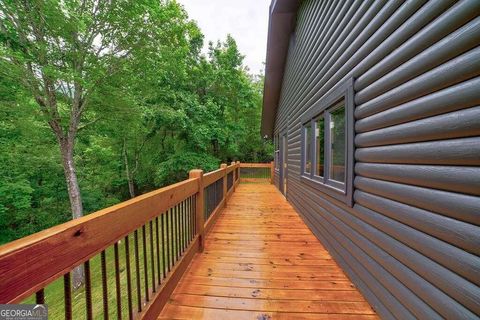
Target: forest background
x=101 y=101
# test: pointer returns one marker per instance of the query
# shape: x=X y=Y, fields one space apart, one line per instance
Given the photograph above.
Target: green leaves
x=130 y=78
x=177 y=166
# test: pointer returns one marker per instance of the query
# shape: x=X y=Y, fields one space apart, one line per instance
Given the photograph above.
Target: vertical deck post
x=200 y=208
x=272 y=171
x=233 y=175
x=224 y=167
x=238 y=168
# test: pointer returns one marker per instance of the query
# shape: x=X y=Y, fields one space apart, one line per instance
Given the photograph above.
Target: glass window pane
x=337 y=144
x=319 y=145
x=308 y=147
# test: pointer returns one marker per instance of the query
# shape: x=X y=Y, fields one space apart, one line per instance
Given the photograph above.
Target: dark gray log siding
x=411 y=242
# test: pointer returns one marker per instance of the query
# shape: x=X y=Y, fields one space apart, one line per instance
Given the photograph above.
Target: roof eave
x=281 y=25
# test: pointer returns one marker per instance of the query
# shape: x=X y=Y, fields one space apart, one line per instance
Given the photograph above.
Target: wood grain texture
x=231 y=167
x=213 y=176
x=28 y=264
x=162 y=296
x=255 y=165
x=417 y=148
x=262 y=262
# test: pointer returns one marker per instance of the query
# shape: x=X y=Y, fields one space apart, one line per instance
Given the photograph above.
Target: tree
x=123 y=108
x=62 y=52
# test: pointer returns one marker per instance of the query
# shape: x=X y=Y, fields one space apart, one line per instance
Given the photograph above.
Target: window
x=327 y=144
x=308 y=147
x=337 y=143
x=319 y=146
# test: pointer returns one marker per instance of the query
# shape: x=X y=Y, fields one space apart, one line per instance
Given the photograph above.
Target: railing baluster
x=179 y=229
x=104 y=285
x=179 y=253
x=174 y=238
x=67 y=293
x=174 y=234
x=187 y=234
x=182 y=216
x=185 y=218
x=159 y=272
x=145 y=262
x=137 y=269
x=117 y=282
x=187 y=223
x=129 y=278
x=180 y=232
x=40 y=296
x=168 y=234
x=152 y=257
x=190 y=230
x=164 y=247
x=189 y=214
x=183 y=225
x=192 y=218
x=215 y=190
x=88 y=290
x=195 y=227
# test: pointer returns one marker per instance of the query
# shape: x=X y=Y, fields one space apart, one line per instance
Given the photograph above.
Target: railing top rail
x=255 y=165
x=231 y=167
x=213 y=176
x=30 y=263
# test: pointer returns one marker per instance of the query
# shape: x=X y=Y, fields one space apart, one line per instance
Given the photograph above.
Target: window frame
x=314 y=156
x=323 y=108
x=304 y=147
x=277 y=152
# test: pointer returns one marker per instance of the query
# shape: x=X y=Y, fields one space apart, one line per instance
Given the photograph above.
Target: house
x=374 y=111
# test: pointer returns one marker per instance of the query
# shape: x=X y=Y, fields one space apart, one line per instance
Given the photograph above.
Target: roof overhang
x=280 y=26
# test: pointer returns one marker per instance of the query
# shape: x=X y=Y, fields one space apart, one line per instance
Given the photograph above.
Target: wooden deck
x=262 y=262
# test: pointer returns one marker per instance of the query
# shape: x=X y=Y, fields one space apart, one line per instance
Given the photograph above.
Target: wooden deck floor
x=262 y=262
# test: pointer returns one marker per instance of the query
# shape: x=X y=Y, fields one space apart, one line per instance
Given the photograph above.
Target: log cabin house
x=371 y=208
x=374 y=110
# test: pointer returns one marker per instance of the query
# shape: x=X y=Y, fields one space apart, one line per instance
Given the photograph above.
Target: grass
x=54 y=292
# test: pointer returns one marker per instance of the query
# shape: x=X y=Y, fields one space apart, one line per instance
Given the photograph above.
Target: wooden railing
x=256 y=172
x=137 y=250
x=131 y=255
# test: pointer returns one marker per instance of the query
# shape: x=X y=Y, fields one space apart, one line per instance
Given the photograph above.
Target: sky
x=245 y=20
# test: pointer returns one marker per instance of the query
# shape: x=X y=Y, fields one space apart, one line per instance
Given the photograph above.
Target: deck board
x=262 y=262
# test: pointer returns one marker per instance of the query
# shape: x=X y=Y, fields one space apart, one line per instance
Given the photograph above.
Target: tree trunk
x=66 y=148
x=128 y=173
x=72 y=183
x=131 y=187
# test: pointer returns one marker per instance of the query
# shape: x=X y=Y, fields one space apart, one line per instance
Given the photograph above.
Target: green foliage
x=153 y=106
x=177 y=166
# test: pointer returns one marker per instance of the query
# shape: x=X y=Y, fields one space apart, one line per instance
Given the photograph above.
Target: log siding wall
x=411 y=241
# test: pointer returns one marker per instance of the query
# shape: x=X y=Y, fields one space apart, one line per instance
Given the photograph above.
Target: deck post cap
x=195 y=173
